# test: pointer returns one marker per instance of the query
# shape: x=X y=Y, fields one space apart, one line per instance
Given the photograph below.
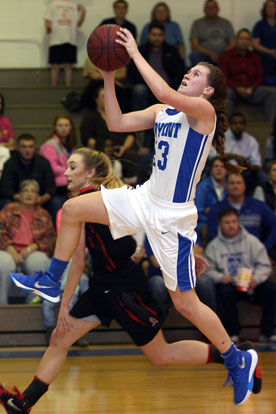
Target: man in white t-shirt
x=62 y=19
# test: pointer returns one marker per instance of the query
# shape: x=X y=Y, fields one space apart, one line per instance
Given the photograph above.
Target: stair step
x=37 y=114
x=12 y=77
x=31 y=95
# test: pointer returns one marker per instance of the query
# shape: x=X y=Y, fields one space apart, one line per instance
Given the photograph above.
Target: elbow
x=111 y=126
x=114 y=126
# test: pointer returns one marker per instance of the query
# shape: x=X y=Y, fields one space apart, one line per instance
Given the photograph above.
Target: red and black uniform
x=118 y=289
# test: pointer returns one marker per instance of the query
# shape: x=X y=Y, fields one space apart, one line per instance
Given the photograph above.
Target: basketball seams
x=119 y=57
x=100 y=48
x=103 y=50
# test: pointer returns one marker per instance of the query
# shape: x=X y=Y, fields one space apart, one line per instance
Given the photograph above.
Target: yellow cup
x=243 y=279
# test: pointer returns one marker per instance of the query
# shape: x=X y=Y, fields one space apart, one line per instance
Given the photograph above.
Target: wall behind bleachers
x=23 y=43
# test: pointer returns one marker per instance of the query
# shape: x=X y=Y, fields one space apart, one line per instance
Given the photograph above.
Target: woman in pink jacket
x=57 y=149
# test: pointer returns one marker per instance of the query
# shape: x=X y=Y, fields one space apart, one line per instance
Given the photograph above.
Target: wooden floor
x=130 y=385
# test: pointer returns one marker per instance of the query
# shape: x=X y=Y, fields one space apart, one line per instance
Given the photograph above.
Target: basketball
x=103 y=51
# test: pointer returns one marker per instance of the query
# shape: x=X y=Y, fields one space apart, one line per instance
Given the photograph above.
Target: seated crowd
x=236 y=211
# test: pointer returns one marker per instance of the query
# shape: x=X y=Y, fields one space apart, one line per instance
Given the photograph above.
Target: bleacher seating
x=31 y=105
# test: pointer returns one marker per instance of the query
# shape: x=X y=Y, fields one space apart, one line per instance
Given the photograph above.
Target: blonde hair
x=25 y=183
x=104 y=174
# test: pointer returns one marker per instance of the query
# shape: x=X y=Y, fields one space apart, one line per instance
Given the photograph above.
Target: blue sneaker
x=40 y=283
x=241 y=377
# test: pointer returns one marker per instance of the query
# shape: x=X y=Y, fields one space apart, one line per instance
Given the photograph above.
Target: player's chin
x=182 y=89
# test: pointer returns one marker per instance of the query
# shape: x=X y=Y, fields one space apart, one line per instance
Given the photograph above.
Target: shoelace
x=230 y=380
x=38 y=273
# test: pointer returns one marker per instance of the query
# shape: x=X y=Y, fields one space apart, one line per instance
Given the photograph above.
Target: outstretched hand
x=126 y=39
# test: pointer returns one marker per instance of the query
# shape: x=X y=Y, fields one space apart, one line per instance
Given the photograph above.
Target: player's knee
x=58 y=340
x=158 y=360
x=185 y=309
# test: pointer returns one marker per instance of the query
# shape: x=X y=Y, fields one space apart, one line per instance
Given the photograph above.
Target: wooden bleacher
x=21 y=325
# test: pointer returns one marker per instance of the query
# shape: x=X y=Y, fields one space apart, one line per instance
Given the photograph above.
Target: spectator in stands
x=244 y=73
x=123 y=90
x=210 y=35
x=57 y=149
x=26 y=164
x=173 y=35
x=62 y=19
x=267 y=191
x=209 y=191
x=94 y=132
x=270 y=146
x=264 y=40
x=234 y=248
x=243 y=149
x=25 y=233
x=257 y=218
x=164 y=58
x=120 y=8
x=108 y=149
x=6 y=131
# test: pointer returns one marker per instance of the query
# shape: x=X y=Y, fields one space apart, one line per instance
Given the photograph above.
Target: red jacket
x=41 y=226
x=246 y=71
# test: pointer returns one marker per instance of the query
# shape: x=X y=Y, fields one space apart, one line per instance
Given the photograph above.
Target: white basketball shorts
x=170 y=228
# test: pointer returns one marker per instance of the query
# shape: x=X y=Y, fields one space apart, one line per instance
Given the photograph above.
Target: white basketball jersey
x=179 y=158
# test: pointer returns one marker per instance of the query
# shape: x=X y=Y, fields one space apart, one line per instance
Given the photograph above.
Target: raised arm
x=195 y=107
x=130 y=122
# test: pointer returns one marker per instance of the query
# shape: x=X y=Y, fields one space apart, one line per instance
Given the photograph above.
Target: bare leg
x=68 y=74
x=54 y=74
x=188 y=304
x=55 y=355
x=87 y=208
x=160 y=353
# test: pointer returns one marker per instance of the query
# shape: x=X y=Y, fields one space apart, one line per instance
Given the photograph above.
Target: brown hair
x=217 y=80
x=163 y=4
x=71 y=140
x=263 y=9
x=120 y=1
x=104 y=174
x=227 y=212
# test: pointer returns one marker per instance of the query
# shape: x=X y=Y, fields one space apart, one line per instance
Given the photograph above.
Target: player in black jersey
x=118 y=290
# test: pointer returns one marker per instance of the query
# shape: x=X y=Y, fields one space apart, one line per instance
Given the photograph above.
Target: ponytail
x=104 y=174
x=217 y=80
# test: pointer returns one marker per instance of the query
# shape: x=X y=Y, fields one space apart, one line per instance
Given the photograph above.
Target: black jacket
x=270 y=197
x=173 y=65
x=14 y=172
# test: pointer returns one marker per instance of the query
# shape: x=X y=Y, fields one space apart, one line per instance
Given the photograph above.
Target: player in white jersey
x=185 y=125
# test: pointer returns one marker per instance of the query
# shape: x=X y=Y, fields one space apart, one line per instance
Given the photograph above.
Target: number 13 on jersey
x=160 y=157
